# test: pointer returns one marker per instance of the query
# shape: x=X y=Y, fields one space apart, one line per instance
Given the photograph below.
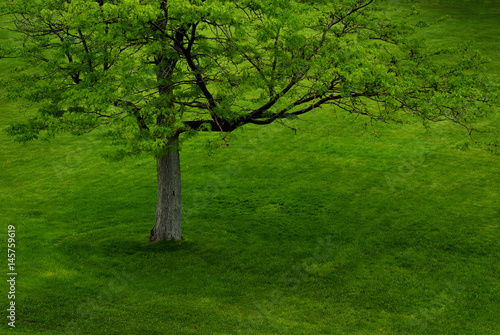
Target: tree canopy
x=148 y=70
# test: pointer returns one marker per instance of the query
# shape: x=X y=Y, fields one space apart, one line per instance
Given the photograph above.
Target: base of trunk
x=155 y=237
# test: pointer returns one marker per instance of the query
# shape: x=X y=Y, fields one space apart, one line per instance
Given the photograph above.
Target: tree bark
x=168 y=201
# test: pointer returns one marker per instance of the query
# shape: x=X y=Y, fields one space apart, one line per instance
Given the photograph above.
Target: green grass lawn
x=320 y=232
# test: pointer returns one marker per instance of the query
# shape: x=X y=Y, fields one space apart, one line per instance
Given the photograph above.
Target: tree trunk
x=168 y=201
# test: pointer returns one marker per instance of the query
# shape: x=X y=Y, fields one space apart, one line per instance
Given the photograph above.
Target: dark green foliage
x=26 y=131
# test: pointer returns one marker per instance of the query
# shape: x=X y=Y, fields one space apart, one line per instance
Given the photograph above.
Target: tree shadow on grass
x=98 y=244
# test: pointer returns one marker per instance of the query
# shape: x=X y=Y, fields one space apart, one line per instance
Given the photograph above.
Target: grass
x=322 y=232
x=469 y=21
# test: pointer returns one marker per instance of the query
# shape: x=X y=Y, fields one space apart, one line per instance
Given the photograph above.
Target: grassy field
x=320 y=232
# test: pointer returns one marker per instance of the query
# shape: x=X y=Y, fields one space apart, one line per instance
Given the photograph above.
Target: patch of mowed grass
x=468 y=21
x=320 y=232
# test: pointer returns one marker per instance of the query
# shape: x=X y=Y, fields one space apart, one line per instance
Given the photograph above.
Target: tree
x=150 y=70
